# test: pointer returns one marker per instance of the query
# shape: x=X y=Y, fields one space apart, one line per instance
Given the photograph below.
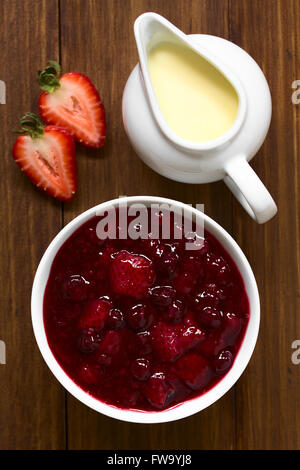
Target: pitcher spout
x=181 y=78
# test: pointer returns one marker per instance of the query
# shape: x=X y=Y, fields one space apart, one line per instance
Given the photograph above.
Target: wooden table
x=96 y=37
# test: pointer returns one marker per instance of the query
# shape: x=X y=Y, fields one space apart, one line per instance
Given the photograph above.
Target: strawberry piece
x=194 y=370
x=174 y=312
x=115 y=319
x=73 y=102
x=111 y=342
x=95 y=314
x=212 y=344
x=90 y=373
x=128 y=396
x=170 y=342
x=190 y=337
x=131 y=274
x=47 y=157
x=158 y=391
x=165 y=342
x=233 y=327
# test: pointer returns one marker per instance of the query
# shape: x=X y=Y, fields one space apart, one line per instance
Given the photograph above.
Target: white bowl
x=181 y=410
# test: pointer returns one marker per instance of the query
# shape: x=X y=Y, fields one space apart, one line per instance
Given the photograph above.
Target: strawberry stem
x=30 y=124
x=48 y=79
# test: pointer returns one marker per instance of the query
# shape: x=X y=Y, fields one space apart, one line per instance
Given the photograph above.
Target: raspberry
x=131 y=274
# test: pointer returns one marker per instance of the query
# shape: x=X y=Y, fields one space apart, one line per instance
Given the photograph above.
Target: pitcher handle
x=249 y=190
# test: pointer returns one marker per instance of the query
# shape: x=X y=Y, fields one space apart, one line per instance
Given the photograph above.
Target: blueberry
x=75 y=288
x=210 y=317
x=175 y=312
x=140 y=317
x=223 y=362
x=162 y=295
x=89 y=341
x=115 y=320
x=140 y=369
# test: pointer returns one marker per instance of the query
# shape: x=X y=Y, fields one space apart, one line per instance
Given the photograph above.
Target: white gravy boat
x=225 y=157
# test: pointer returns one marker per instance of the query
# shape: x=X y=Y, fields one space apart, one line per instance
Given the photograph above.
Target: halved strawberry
x=72 y=101
x=47 y=157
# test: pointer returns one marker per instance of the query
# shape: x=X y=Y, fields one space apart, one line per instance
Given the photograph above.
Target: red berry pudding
x=144 y=324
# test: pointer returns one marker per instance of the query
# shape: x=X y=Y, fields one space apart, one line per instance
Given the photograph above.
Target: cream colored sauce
x=196 y=99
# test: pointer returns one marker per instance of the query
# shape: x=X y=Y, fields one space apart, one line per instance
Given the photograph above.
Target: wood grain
x=268 y=410
x=96 y=37
x=31 y=402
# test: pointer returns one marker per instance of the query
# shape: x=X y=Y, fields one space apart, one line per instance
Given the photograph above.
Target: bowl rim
x=181 y=410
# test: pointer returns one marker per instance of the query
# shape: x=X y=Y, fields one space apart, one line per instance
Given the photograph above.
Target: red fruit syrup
x=144 y=324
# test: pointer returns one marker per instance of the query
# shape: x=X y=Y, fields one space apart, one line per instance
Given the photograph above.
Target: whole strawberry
x=47 y=156
x=72 y=101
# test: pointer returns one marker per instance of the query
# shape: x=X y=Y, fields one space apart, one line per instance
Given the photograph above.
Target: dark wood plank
x=31 y=401
x=97 y=38
x=104 y=48
x=268 y=411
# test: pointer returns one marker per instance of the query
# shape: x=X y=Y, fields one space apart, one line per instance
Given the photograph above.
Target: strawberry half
x=47 y=156
x=72 y=101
